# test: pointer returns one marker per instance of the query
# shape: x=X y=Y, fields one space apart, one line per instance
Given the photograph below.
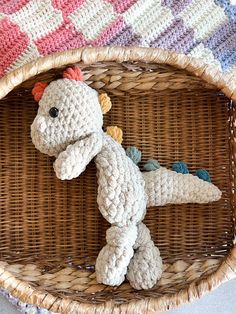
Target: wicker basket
x=172 y=108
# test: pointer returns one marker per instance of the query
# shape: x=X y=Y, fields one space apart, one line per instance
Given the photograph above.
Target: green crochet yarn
x=151 y=165
x=203 y=174
x=180 y=167
x=134 y=154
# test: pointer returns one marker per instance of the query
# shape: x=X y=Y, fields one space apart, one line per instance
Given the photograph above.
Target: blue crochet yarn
x=180 y=167
x=151 y=165
x=134 y=154
x=229 y=8
x=203 y=174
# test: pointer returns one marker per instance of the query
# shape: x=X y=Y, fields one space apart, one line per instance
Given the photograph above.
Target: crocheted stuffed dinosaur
x=69 y=126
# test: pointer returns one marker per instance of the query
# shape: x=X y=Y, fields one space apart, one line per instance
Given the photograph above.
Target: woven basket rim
x=90 y=55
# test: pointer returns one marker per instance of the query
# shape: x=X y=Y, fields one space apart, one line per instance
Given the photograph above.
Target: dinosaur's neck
x=110 y=148
x=112 y=159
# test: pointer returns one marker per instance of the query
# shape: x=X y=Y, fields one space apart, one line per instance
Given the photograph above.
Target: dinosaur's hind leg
x=145 y=267
x=114 y=258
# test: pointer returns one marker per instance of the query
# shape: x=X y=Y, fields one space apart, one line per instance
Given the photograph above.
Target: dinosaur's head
x=69 y=110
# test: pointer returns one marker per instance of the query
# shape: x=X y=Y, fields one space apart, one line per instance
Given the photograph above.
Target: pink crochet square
x=13 y=43
x=63 y=38
x=121 y=6
x=67 y=6
x=11 y=6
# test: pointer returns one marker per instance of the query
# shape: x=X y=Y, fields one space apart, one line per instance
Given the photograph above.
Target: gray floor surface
x=220 y=301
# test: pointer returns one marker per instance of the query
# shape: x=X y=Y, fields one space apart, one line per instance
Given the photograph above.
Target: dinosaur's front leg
x=145 y=267
x=114 y=258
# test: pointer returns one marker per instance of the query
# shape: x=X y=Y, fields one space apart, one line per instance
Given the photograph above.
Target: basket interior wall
x=170 y=116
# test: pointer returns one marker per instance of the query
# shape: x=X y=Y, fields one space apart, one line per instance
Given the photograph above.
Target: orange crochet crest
x=73 y=74
x=38 y=90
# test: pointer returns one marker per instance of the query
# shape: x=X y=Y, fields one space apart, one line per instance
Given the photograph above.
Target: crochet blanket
x=200 y=28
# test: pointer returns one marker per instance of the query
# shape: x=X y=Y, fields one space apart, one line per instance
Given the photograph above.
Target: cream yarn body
x=69 y=126
x=121 y=193
x=122 y=201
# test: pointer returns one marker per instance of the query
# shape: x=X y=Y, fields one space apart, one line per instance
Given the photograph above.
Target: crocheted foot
x=145 y=268
x=113 y=259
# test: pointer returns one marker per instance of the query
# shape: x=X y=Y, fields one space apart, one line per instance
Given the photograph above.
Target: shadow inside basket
x=52 y=230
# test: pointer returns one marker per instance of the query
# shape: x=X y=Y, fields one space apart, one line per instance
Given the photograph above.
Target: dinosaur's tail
x=164 y=186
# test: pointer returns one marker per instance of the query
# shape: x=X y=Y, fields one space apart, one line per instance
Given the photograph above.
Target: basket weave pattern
x=171 y=108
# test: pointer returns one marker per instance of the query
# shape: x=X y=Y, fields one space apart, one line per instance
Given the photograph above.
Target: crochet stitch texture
x=200 y=28
x=75 y=136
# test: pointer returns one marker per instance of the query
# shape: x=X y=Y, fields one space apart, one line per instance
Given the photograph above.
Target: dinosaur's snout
x=40 y=124
x=42 y=137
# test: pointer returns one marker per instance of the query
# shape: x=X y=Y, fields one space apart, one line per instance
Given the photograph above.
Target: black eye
x=53 y=112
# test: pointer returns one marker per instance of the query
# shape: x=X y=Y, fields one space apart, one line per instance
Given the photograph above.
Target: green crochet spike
x=134 y=154
x=151 y=165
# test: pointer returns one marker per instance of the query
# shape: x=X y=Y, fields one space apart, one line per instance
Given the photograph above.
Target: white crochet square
x=205 y=53
x=38 y=18
x=148 y=18
x=93 y=17
x=204 y=17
